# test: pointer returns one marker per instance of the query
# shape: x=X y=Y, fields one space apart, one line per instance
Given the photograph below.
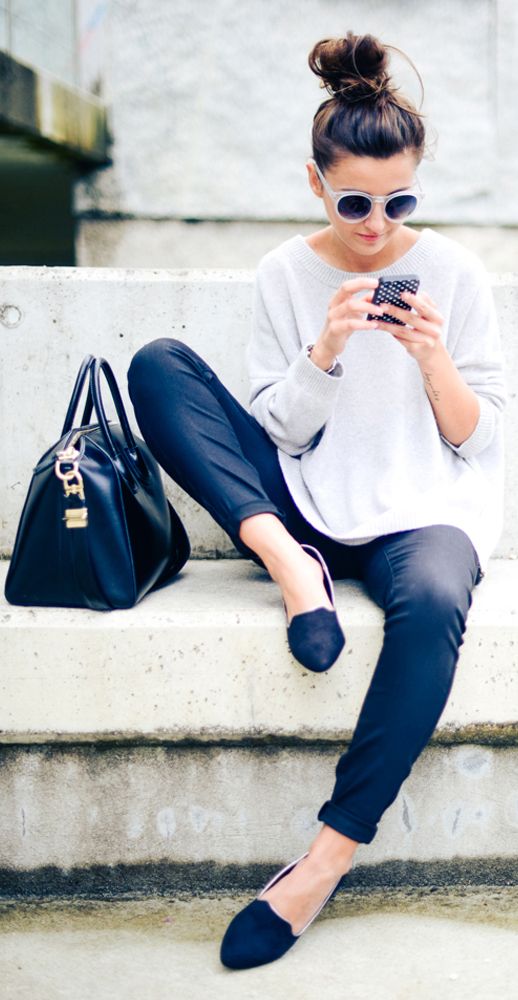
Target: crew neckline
x=415 y=255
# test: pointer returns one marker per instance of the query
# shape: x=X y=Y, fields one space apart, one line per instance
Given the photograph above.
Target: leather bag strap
x=82 y=375
x=101 y=365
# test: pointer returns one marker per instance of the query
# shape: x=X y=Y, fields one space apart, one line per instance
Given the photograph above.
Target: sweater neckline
x=330 y=275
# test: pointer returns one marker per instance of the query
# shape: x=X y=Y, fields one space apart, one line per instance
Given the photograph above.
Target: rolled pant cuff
x=346 y=823
x=248 y=510
x=256 y=507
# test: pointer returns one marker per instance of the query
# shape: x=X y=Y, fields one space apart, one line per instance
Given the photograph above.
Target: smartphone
x=389 y=290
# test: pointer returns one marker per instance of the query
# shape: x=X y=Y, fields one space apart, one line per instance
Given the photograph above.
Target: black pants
x=422 y=578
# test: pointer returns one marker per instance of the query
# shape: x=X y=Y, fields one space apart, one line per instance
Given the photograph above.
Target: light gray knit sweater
x=360 y=449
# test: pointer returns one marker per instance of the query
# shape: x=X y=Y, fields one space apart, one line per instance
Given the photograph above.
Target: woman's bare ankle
x=266 y=535
x=332 y=850
x=298 y=575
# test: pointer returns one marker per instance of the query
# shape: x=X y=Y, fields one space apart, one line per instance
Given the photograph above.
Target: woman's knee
x=438 y=605
x=436 y=578
x=157 y=366
x=153 y=355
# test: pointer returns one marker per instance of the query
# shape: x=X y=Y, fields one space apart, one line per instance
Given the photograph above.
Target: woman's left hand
x=421 y=336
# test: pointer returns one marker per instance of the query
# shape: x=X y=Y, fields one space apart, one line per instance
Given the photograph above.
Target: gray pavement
x=390 y=945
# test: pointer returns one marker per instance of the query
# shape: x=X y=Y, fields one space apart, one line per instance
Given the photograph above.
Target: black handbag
x=96 y=530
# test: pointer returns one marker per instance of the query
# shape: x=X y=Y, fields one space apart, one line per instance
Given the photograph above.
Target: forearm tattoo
x=428 y=380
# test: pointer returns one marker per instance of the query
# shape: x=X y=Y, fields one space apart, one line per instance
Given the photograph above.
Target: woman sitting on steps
x=372 y=451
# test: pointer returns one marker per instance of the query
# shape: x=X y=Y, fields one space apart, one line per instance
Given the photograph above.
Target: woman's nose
x=376 y=221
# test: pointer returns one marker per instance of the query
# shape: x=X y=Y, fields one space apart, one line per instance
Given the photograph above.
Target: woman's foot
x=298 y=575
x=298 y=895
x=271 y=924
x=315 y=637
x=258 y=934
x=301 y=581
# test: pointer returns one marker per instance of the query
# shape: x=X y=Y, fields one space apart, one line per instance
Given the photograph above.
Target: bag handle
x=82 y=375
x=101 y=365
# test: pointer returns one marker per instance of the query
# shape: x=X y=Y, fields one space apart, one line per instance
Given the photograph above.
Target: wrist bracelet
x=327 y=371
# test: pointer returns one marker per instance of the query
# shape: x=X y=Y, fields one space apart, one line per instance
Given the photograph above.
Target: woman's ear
x=314 y=180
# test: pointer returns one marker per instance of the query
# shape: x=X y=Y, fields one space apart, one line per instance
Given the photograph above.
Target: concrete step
x=181 y=738
x=51 y=317
x=206 y=659
x=378 y=946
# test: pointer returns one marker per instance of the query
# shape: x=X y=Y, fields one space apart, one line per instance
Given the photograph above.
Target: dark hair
x=365 y=115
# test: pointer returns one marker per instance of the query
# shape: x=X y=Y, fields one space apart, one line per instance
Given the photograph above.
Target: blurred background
x=151 y=133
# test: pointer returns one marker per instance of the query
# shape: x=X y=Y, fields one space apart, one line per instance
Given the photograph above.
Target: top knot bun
x=351 y=68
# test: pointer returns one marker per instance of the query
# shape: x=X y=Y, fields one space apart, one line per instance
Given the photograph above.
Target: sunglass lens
x=354 y=207
x=401 y=206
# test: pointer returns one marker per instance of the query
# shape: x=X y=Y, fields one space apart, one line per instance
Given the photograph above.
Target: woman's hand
x=421 y=336
x=455 y=404
x=346 y=313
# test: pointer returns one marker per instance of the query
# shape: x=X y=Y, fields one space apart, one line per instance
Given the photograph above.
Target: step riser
x=205 y=878
x=79 y=807
x=65 y=313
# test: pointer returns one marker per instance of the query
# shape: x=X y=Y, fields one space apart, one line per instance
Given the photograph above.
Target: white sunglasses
x=355 y=206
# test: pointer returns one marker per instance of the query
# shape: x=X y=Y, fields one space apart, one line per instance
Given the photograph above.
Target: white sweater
x=360 y=449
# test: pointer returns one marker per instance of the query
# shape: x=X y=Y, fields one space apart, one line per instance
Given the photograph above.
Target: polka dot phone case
x=389 y=290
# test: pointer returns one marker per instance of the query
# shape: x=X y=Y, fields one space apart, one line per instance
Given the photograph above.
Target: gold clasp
x=70 y=457
x=76 y=517
x=69 y=454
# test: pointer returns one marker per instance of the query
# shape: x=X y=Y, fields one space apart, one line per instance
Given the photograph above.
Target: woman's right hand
x=344 y=316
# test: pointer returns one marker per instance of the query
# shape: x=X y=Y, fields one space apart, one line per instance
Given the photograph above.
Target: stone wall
x=212 y=105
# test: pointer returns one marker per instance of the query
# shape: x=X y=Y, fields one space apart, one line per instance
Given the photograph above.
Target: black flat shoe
x=315 y=637
x=258 y=935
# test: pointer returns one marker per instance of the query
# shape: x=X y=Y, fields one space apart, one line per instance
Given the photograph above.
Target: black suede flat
x=258 y=935
x=315 y=637
x=255 y=936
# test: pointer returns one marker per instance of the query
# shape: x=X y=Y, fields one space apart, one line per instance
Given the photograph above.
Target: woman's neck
x=330 y=248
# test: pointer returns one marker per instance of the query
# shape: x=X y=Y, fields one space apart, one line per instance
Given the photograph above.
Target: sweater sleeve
x=289 y=395
x=478 y=357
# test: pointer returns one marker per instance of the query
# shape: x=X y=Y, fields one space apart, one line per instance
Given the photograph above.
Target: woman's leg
x=202 y=437
x=423 y=579
x=221 y=456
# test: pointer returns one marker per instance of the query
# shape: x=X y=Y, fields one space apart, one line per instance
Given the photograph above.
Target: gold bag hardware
x=76 y=517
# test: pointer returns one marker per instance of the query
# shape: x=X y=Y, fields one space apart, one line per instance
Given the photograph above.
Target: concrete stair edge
x=204 y=662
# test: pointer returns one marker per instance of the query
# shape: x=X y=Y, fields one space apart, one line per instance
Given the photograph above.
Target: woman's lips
x=370 y=239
